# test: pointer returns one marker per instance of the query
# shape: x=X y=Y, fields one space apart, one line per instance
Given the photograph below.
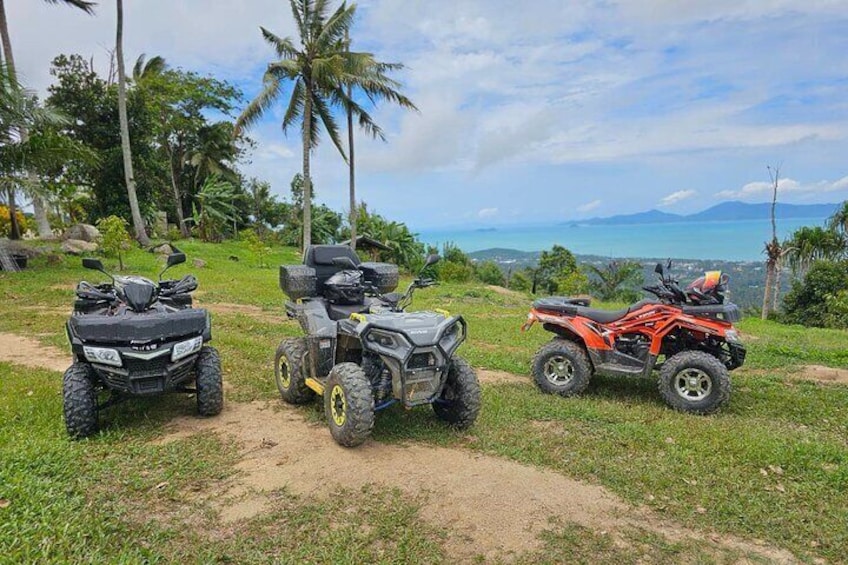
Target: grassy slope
x=773 y=465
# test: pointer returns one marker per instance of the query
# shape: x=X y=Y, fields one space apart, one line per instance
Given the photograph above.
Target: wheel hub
x=338 y=405
x=693 y=384
x=559 y=370
x=285 y=377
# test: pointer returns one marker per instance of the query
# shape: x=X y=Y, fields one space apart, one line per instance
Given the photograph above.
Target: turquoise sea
x=740 y=240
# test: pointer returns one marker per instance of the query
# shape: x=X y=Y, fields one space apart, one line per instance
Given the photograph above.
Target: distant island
x=724 y=212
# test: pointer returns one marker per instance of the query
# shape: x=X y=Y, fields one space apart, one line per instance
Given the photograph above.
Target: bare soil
x=492 y=507
x=254 y=312
x=31 y=353
x=822 y=374
x=487 y=376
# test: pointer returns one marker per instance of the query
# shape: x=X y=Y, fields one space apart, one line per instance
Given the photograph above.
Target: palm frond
x=257 y=107
x=84 y=5
x=323 y=111
x=296 y=104
x=283 y=46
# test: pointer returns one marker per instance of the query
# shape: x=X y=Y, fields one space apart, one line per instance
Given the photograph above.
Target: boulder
x=163 y=249
x=78 y=246
x=82 y=232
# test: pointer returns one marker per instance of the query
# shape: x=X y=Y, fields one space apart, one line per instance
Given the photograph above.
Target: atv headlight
x=451 y=337
x=383 y=339
x=732 y=336
x=103 y=355
x=186 y=348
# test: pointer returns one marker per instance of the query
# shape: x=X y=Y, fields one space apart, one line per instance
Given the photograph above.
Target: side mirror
x=93 y=264
x=432 y=260
x=176 y=259
x=344 y=262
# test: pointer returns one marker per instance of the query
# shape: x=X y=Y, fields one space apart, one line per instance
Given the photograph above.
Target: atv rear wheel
x=694 y=381
x=561 y=367
x=459 y=403
x=349 y=404
x=80 y=400
x=209 y=383
x=290 y=371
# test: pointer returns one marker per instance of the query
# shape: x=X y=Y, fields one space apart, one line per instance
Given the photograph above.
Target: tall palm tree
x=87 y=7
x=321 y=71
x=129 y=175
x=379 y=71
x=773 y=251
x=839 y=220
x=810 y=244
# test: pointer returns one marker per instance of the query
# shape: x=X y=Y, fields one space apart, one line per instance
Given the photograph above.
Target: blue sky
x=541 y=111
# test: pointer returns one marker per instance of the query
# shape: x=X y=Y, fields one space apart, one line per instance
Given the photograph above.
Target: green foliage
x=489 y=273
x=519 y=280
x=616 y=281
x=818 y=300
x=114 y=237
x=216 y=210
x=810 y=244
x=558 y=272
x=404 y=248
x=256 y=245
x=455 y=272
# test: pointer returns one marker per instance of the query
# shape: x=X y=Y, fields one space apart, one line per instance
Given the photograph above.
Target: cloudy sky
x=536 y=111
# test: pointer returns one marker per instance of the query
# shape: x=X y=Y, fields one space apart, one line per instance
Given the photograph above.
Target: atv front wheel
x=290 y=371
x=459 y=403
x=694 y=381
x=209 y=383
x=80 y=400
x=349 y=404
x=561 y=367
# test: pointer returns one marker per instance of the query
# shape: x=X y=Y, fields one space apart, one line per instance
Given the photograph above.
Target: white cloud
x=785 y=185
x=589 y=206
x=487 y=213
x=676 y=197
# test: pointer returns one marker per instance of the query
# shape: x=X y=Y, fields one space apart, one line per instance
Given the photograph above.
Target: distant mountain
x=724 y=212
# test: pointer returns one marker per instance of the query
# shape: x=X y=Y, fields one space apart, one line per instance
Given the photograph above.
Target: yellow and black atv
x=362 y=352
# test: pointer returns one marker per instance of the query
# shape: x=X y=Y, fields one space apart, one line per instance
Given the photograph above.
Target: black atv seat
x=320 y=258
x=608 y=316
x=561 y=304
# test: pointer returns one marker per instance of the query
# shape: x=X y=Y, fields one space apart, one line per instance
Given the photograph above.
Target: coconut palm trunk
x=129 y=176
x=351 y=166
x=178 y=201
x=307 y=177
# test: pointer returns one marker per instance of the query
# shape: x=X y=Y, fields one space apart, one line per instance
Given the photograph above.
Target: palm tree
x=810 y=244
x=616 y=280
x=379 y=71
x=217 y=208
x=773 y=252
x=321 y=71
x=839 y=220
x=87 y=7
x=21 y=154
x=214 y=152
x=126 y=150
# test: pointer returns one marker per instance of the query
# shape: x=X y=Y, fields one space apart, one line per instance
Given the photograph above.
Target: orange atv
x=691 y=330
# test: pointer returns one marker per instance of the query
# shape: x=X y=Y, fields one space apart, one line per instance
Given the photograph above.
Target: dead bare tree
x=773 y=251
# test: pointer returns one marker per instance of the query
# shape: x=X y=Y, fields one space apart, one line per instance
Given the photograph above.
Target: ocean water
x=741 y=240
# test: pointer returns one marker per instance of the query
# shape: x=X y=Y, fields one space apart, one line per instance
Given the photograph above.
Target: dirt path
x=495 y=507
x=822 y=374
x=31 y=353
x=487 y=376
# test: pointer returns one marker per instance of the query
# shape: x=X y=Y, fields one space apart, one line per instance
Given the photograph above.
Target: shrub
x=114 y=237
x=488 y=272
x=6 y=224
x=520 y=281
x=455 y=272
x=818 y=300
x=256 y=245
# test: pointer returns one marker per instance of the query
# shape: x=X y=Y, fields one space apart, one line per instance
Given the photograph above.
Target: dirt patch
x=492 y=507
x=31 y=353
x=822 y=374
x=506 y=292
x=500 y=377
x=52 y=310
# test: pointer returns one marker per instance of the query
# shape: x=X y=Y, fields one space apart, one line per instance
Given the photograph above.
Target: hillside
x=723 y=212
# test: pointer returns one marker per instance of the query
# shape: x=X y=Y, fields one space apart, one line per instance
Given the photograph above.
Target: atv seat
x=608 y=316
x=343 y=311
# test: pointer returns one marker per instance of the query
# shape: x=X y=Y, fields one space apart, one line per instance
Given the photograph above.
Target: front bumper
x=737 y=355
x=145 y=377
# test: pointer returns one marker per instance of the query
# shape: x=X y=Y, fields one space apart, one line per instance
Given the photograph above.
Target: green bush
x=820 y=299
x=455 y=272
x=488 y=272
x=114 y=237
x=520 y=281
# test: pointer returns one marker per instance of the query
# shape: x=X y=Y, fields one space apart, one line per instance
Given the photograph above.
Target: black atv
x=133 y=337
x=362 y=352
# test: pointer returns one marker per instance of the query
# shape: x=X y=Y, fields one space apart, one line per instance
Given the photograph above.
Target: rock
x=78 y=246
x=199 y=263
x=82 y=232
x=164 y=249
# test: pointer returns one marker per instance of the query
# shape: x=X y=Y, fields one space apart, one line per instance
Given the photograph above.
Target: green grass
x=772 y=465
